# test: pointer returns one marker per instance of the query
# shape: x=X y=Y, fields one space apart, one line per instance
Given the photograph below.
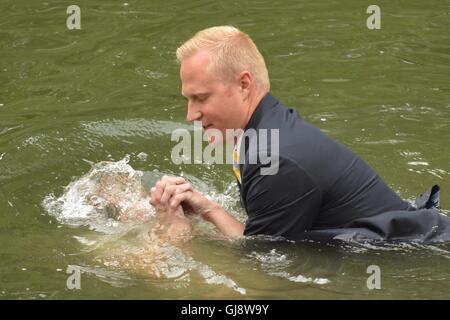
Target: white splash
x=82 y=203
x=273 y=264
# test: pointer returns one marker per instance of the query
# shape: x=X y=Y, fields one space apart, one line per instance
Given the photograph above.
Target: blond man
x=321 y=189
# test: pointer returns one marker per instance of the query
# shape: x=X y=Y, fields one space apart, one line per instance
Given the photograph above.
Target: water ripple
x=132 y=127
x=314 y=43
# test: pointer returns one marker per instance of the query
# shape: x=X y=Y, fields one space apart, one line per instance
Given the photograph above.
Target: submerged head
x=119 y=194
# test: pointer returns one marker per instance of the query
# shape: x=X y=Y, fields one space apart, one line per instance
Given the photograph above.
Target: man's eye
x=203 y=98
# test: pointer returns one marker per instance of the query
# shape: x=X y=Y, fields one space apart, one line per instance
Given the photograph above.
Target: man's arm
x=212 y=212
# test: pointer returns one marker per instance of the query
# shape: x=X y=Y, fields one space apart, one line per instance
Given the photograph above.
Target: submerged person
x=120 y=195
x=321 y=191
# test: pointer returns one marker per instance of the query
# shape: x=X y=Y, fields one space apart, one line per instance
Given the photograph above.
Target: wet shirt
x=320 y=184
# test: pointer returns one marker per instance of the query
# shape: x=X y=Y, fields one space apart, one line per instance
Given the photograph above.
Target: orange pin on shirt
x=236 y=169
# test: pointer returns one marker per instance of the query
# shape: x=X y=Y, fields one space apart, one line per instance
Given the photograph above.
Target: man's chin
x=214 y=136
x=214 y=141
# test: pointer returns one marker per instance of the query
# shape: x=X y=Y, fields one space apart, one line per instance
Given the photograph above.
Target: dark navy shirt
x=320 y=184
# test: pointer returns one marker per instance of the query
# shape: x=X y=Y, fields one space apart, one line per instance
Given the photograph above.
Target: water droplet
x=142 y=156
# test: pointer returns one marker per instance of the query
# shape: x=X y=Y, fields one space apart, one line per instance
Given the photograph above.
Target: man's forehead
x=194 y=91
x=198 y=60
x=195 y=77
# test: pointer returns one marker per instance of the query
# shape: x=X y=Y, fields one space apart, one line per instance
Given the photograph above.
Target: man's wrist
x=211 y=210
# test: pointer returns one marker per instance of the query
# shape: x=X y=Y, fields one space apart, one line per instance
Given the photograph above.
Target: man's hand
x=176 y=191
x=168 y=215
x=166 y=187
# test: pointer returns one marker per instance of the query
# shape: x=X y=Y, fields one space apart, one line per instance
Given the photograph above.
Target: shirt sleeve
x=284 y=204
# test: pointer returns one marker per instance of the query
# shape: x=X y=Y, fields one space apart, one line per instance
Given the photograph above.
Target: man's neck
x=254 y=101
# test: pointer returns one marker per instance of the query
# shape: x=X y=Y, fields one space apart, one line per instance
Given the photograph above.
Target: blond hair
x=233 y=51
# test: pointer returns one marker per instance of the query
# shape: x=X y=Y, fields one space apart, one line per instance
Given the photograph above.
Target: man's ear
x=245 y=82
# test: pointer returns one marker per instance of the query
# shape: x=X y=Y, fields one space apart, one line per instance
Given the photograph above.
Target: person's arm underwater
x=176 y=191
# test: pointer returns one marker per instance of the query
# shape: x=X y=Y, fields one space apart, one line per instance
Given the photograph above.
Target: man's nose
x=192 y=114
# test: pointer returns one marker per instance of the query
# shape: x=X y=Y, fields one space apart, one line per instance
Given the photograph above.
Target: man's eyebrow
x=196 y=94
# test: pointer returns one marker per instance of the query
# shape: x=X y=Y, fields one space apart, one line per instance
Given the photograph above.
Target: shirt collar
x=267 y=102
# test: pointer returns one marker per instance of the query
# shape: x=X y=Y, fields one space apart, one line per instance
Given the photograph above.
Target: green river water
x=71 y=98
